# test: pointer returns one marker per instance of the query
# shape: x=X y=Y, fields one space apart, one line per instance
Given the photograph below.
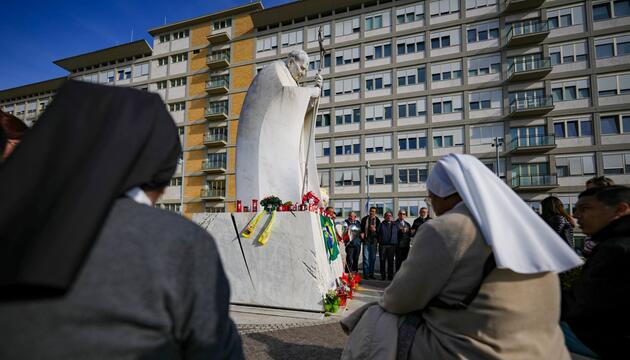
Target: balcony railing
x=213 y=165
x=531 y=106
x=216 y=112
x=212 y=193
x=527 y=32
x=217 y=83
x=532 y=143
x=534 y=181
x=529 y=69
x=218 y=60
x=214 y=137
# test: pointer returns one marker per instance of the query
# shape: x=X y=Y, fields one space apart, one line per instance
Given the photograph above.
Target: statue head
x=297 y=62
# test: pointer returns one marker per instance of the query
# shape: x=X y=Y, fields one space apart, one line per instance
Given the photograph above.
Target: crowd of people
x=89 y=268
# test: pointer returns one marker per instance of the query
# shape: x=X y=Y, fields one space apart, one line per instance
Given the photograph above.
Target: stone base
x=290 y=271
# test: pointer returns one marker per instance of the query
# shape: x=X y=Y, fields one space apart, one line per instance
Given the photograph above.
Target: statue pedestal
x=290 y=271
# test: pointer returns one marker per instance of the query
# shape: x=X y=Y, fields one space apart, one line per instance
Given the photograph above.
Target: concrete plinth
x=290 y=271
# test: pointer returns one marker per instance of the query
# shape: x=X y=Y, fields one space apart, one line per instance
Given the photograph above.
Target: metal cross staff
x=322 y=52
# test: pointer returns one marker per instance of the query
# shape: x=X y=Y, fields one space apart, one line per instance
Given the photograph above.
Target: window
x=416 y=174
x=485 y=134
x=447 y=104
x=483 y=31
x=347 y=27
x=267 y=43
x=487 y=99
x=178 y=106
x=377 y=21
x=570 y=90
x=570 y=128
x=616 y=163
x=380 y=176
x=324 y=178
x=567 y=53
x=218 y=106
x=347 y=177
x=347 y=86
x=179 y=57
x=326 y=88
x=558 y=18
x=617 y=84
x=412 y=108
x=443 y=138
x=410 y=45
x=176 y=208
x=163 y=61
x=575 y=165
x=378 y=112
x=161 y=85
x=442 y=39
x=93 y=78
x=378 y=144
x=322 y=120
x=412 y=141
x=382 y=206
x=343 y=208
x=176 y=181
x=474 y=4
x=140 y=70
x=180 y=34
x=178 y=82
x=618 y=45
x=348 y=146
x=446 y=71
x=165 y=38
x=611 y=9
x=411 y=206
x=378 y=51
x=292 y=38
x=411 y=76
x=410 y=14
x=124 y=74
x=347 y=56
x=315 y=61
x=615 y=124
x=322 y=149
x=484 y=65
x=348 y=116
x=444 y=7
x=378 y=81
x=221 y=24
x=311 y=33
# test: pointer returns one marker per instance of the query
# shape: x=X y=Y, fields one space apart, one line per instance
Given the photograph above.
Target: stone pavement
x=286 y=334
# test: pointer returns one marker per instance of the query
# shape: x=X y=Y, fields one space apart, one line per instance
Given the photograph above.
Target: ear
x=622 y=209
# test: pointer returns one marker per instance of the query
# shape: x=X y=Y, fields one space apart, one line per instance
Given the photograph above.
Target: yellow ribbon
x=249 y=230
x=265 y=234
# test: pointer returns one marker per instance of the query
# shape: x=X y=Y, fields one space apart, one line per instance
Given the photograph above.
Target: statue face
x=297 y=67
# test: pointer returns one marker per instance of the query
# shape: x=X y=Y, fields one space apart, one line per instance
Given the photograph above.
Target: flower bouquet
x=344 y=292
x=271 y=203
x=331 y=301
x=287 y=206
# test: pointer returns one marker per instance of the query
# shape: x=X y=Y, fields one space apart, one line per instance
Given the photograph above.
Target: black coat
x=419 y=221
x=597 y=306
x=364 y=229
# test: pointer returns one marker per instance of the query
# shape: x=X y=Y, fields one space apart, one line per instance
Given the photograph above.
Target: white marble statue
x=275 y=141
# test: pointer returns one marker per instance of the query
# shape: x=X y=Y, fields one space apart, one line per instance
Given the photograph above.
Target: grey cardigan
x=152 y=287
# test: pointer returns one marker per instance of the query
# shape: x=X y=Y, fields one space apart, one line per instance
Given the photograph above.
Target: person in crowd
x=353 y=241
x=369 y=238
x=387 y=244
x=595 y=308
x=480 y=284
x=561 y=222
x=13 y=129
x=421 y=219
x=404 y=238
x=599 y=181
x=89 y=268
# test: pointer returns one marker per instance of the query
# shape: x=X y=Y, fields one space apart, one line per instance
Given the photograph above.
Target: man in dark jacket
x=424 y=217
x=596 y=306
x=387 y=243
x=404 y=238
x=353 y=241
x=369 y=237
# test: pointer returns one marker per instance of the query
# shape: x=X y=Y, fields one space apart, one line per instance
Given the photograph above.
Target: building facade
x=405 y=82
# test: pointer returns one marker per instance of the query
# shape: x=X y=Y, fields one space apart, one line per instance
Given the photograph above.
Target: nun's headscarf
x=88 y=148
x=521 y=241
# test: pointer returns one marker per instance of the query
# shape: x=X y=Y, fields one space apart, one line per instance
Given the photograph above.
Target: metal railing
x=532 y=141
x=520 y=66
x=534 y=180
x=218 y=56
x=212 y=164
x=216 y=109
x=211 y=137
x=526 y=28
x=217 y=83
x=531 y=103
x=212 y=193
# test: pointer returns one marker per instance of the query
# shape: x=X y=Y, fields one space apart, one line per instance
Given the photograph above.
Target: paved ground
x=285 y=334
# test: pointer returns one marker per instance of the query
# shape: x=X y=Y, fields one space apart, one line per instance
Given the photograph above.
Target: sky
x=37 y=32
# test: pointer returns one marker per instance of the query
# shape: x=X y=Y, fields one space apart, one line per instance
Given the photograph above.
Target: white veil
x=520 y=239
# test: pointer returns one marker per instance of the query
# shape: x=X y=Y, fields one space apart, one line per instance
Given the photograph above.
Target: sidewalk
x=286 y=334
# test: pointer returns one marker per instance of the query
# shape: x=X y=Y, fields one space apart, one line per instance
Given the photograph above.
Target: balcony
x=527 y=32
x=529 y=70
x=518 y=5
x=531 y=106
x=214 y=139
x=217 y=86
x=216 y=113
x=214 y=166
x=532 y=144
x=213 y=194
x=534 y=182
x=219 y=38
x=218 y=60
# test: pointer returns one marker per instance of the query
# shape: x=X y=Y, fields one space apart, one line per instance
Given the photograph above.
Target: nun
x=480 y=281
x=89 y=268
